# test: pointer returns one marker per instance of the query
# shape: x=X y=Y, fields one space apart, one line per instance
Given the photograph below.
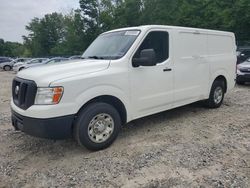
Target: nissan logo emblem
x=17 y=90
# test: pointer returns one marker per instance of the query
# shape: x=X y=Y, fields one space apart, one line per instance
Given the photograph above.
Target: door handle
x=167 y=69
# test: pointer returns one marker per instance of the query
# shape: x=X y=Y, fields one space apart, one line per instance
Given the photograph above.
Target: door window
x=159 y=42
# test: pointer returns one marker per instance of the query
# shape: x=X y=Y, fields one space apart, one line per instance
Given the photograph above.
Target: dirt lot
x=186 y=147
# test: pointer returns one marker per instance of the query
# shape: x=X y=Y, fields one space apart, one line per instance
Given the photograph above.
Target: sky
x=16 y=14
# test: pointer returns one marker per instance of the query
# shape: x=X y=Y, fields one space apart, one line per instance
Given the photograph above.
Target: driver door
x=152 y=87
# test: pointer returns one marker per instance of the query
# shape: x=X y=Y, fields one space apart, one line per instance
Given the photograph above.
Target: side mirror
x=147 y=58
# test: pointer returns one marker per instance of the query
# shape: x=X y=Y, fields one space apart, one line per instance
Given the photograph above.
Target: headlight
x=45 y=96
x=238 y=72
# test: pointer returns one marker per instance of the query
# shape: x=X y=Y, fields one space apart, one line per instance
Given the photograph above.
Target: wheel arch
x=6 y=66
x=21 y=68
x=222 y=75
x=113 y=101
x=222 y=78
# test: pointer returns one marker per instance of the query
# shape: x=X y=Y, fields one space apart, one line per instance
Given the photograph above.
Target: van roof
x=147 y=27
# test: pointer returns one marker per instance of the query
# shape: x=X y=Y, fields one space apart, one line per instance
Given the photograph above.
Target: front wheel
x=216 y=94
x=97 y=126
x=21 y=68
x=7 y=68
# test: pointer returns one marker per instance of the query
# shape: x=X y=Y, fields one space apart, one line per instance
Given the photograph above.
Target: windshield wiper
x=95 y=57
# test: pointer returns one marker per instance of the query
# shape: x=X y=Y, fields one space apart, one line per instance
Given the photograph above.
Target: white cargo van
x=125 y=74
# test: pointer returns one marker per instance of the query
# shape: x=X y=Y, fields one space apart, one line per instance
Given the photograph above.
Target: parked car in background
x=7 y=66
x=52 y=60
x=75 y=57
x=5 y=59
x=23 y=65
x=243 y=72
x=49 y=61
x=56 y=60
x=243 y=54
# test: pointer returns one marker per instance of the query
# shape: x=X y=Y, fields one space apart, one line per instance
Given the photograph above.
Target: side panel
x=191 y=75
x=222 y=57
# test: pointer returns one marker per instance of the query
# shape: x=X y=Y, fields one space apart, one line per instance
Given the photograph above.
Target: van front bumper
x=51 y=128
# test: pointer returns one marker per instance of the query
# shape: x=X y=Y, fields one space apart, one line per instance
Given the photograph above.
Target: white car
x=126 y=74
x=7 y=66
x=23 y=65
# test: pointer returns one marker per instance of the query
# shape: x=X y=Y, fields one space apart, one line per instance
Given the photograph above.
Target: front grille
x=23 y=92
x=246 y=70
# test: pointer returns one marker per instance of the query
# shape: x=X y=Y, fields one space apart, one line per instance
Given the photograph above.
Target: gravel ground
x=186 y=147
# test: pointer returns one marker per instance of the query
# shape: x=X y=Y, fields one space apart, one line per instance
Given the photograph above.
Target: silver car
x=243 y=72
x=46 y=62
x=7 y=66
x=23 y=65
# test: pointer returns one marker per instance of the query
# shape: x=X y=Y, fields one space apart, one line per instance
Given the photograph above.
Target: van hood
x=45 y=74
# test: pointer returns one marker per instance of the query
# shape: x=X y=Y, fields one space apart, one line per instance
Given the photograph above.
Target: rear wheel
x=216 y=94
x=7 y=68
x=97 y=126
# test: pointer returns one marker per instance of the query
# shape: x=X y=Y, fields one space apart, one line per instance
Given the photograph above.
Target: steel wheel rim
x=218 y=95
x=100 y=128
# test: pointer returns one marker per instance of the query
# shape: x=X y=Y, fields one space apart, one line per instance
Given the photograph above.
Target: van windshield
x=111 y=45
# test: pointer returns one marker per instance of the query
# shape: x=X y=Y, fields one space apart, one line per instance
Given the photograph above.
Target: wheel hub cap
x=100 y=128
x=218 y=95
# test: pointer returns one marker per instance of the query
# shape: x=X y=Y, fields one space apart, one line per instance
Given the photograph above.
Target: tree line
x=62 y=35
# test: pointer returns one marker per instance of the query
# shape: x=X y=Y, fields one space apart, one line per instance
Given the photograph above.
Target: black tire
x=83 y=122
x=7 y=68
x=212 y=102
x=21 y=68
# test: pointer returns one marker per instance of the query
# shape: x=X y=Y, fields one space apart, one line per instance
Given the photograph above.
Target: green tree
x=57 y=34
x=74 y=40
x=11 y=49
x=128 y=13
x=1 y=47
x=91 y=10
x=45 y=34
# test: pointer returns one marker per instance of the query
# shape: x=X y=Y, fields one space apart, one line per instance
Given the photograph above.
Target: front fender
x=102 y=90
